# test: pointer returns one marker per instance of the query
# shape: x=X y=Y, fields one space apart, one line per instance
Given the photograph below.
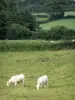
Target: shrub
x=55 y=33
x=17 y=31
x=3 y=24
x=60 y=32
x=42 y=34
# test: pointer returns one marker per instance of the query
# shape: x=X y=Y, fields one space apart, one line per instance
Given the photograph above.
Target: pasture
x=70 y=23
x=70 y=13
x=40 y=14
x=58 y=65
x=41 y=19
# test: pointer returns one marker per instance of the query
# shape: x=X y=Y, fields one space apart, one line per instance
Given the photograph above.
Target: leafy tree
x=17 y=31
x=60 y=32
x=26 y=19
x=3 y=20
x=55 y=8
x=19 y=18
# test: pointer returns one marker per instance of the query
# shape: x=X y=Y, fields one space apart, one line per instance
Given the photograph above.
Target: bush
x=3 y=24
x=55 y=33
x=41 y=15
x=42 y=34
x=60 y=32
x=56 y=15
x=17 y=31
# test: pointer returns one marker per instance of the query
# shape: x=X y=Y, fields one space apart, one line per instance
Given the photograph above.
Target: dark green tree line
x=14 y=20
x=3 y=19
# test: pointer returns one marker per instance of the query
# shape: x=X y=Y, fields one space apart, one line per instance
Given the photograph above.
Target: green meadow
x=70 y=13
x=58 y=65
x=41 y=19
x=39 y=14
x=70 y=23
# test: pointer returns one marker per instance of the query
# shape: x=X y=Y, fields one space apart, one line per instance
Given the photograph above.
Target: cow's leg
x=15 y=83
x=23 y=82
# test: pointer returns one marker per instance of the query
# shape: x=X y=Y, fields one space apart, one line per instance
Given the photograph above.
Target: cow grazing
x=52 y=41
x=16 y=79
x=73 y=40
x=42 y=81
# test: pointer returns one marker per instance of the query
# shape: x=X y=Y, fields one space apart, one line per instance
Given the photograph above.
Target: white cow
x=16 y=79
x=42 y=81
x=73 y=40
x=52 y=41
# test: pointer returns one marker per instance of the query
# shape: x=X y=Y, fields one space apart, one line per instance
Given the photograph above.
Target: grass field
x=58 y=65
x=70 y=23
x=39 y=14
x=41 y=19
x=70 y=13
x=66 y=13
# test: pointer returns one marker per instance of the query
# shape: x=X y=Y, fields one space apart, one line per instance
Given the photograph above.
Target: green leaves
x=3 y=20
x=17 y=31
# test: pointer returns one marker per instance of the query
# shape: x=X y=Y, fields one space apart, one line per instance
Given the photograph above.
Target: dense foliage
x=57 y=33
x=46 y=5
x=17 y=31
x=3 y=20
x=17 y=22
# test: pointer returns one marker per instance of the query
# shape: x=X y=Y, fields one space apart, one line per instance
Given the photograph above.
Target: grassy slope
x=58 y=65
x=70 y=23
x=70 y=13
x=42 y=19
x=39 y=14
x=39 y=19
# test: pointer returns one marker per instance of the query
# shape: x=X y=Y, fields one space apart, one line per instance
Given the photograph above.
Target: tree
x=17 y=31
x=56 y=8
x=3 y=20
x=26 y=19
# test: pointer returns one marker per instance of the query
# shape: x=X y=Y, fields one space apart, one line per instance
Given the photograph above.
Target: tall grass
x=34 y=45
